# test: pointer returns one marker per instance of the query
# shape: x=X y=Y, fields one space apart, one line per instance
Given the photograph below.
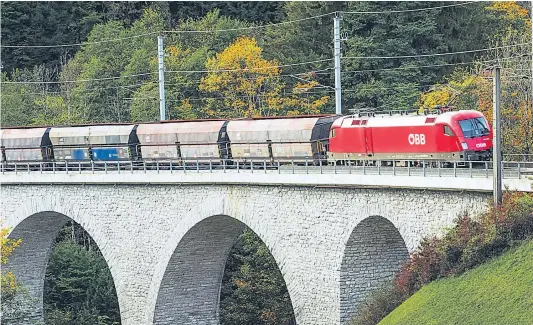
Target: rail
x=511 y=169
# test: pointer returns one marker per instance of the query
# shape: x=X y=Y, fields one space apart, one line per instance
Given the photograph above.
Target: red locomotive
x=455 y=136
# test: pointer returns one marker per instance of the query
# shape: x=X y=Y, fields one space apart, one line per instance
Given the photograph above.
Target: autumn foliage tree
x=14 y=298
x=244 y=84
x=8 y=245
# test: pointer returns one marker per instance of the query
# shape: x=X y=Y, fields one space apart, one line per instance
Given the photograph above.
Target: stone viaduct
x=166 y=238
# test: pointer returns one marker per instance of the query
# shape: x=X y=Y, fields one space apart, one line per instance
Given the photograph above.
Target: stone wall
x=166 y=245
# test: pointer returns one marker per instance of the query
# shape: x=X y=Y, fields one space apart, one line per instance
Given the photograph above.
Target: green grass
x=499 y=292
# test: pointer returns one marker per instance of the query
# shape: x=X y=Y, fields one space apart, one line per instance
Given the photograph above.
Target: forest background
x=96 y=62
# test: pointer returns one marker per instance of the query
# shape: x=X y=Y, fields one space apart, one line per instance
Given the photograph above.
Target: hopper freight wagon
x=26 y=145
x=289 y=139
x=95 y=143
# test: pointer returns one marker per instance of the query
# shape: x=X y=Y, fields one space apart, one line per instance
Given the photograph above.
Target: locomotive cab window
x=448 y=131
x=474 y=127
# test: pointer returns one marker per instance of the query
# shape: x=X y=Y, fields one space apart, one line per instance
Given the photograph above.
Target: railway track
x=474 y=169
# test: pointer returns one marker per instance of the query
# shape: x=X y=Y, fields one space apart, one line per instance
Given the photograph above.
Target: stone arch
x=29 y=261
x=372 y=255
x=189 y=290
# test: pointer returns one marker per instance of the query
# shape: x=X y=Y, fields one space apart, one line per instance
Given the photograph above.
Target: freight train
x=445 y=137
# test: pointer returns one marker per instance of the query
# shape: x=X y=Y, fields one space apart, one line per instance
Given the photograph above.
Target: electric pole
x=337 y=54
x=531 y=13
x=496 y=140
x=161 y=58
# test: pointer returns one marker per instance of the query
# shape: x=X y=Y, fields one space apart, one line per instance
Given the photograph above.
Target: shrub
x=380 y=304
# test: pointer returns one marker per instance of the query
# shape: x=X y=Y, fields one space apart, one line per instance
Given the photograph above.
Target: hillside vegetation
x=432 y=276
x=498 y=292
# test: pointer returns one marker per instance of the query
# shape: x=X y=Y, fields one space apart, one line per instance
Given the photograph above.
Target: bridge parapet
x=468 y=180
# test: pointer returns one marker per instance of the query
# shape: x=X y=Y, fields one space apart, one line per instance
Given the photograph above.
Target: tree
x=79 y=288
x=517 y=87
x=54 y=111
x=458 y=86
x=103 y=71
x=305 y=40
x=36 y=23
x=51 y=23
x=7 y=246
x=396 y=83
x=242 y=79
x=22 y=102
x=253 y=290
x=412 y=33
x=254 y=11
x=246 y=85
x=15 y=300
x=471 y=88
x=181 y=90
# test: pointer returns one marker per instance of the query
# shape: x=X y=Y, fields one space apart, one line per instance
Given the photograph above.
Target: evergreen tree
x=79 y=288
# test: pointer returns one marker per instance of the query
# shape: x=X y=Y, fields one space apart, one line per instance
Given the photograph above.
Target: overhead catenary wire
x=96 y=90
x=245 y=28
x=81 y=90
x=250 y=69
x=290 y=93
x=412 y=86
x=434 y=54
x=144 y=74
x=226 y=97
x=81 y=80
x=408 y=10
x=270 y=67
x=83 y=43
x=430 y=65
x=354 y=57
x=319 y=71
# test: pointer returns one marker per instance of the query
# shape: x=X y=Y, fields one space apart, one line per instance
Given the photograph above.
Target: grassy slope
x=498 y=292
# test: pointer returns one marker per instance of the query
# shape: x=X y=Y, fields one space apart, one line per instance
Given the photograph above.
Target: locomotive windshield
x=474 y=127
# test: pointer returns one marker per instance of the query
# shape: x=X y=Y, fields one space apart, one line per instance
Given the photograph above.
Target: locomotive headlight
x=465 y=146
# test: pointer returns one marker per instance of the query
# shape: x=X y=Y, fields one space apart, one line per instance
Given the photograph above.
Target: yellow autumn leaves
x=251 y=85
x=7 y=245
x=8 y=282
x=445 y=94
x=512 y=11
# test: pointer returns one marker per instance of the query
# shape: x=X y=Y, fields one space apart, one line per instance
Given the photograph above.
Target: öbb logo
x=417 y=139
x=481 y=145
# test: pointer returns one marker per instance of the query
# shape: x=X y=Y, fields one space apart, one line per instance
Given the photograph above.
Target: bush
x=467 y=244
x=379 y=305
